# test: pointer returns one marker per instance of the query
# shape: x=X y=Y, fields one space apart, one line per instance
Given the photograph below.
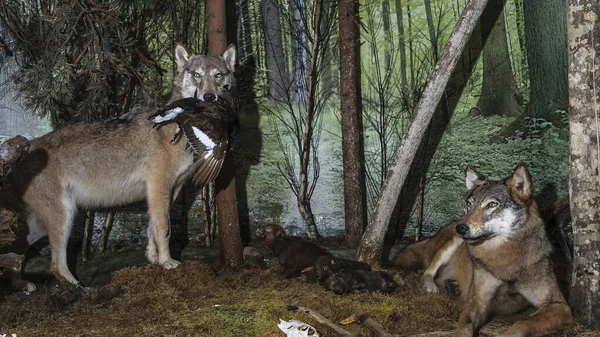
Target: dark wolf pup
x=296 y=256
x=113 y=163
x=501 y=259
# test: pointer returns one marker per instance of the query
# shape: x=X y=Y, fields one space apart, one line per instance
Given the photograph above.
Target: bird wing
x=208 y=137
x=170 y=111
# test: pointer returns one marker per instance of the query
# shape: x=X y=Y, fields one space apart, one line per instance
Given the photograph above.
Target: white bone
x=295 y=328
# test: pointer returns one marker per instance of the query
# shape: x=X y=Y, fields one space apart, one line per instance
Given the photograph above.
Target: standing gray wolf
x=113 y=163
x=500 y=259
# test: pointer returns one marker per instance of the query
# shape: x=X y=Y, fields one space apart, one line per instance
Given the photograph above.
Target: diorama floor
x=128 y=297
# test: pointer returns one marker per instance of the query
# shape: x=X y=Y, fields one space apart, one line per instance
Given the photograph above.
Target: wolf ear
x=473 y=178
x=181 y=58
x=229 y=56
x=520 y=183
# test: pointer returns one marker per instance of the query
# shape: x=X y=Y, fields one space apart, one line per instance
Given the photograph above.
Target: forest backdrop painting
x=507 y=102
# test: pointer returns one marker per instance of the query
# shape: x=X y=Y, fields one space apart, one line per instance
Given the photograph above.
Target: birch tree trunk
x=304 y=188
x=230 y=242
x=584 y=85
x=371 y=245
x=355 y=208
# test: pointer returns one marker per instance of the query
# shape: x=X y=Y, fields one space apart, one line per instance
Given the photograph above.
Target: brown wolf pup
x=328 y=264
x=113 y=163
x=296 y=256
x=503 y=262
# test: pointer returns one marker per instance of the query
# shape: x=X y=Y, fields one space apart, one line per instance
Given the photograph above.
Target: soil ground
x=128 y=297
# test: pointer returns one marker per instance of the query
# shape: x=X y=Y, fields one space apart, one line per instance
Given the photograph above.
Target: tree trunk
x=401 y=44
x=244 y=38
x=584 y=48
x=545 y=36
x=355 y=208
x=230 y=242
x=499 y=89
x=432 y=33
x=385 y=15
x=371 y=246
x=277 y=73
x=298 y=31
x=521 y=37
x=304 y=194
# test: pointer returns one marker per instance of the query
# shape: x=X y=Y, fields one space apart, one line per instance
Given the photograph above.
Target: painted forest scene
x=299 y=168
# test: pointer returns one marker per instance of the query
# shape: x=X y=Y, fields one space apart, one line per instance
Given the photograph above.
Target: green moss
x=194 y=300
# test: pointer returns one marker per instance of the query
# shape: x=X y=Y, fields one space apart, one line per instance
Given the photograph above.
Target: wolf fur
x=112 y=163
x=499 y=256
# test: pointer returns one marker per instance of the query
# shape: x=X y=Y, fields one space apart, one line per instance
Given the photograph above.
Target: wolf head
x=204 y=77
x=325 y=266
x=495 y=209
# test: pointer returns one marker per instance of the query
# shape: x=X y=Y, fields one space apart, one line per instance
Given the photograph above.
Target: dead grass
x=195 y=300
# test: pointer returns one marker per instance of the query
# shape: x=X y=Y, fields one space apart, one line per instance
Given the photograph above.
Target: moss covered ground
x=199 y=299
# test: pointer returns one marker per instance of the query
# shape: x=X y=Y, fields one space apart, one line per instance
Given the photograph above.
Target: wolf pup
x=113 y=163
x=296 y=256
x=328 y=264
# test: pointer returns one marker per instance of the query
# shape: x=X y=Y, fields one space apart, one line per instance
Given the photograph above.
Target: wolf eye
x=492 y=204
x=218 y=75
x=196 y=75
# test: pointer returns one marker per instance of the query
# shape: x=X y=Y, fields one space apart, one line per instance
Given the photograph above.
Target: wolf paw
x=170 y=264
x=429 y=284
x=152 y=255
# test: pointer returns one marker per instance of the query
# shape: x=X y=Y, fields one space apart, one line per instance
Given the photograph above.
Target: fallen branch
x=364 y=318
x=321 y=319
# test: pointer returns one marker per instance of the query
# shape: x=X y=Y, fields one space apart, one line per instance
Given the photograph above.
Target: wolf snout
x=209 y=97
x=462 y=229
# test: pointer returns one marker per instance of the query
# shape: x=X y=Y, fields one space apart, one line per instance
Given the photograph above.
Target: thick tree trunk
x=499 y=89
x=277 y=73
x=355 y=208
x=371 y=245
x=584 y=83
x=230 y=242
x=545 y=36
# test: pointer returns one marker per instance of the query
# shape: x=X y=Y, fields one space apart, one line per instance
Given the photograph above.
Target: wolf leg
x=60 y=215
x=21 y=247
x=552 y=315
x=159 y=231
x=439 y=260
x=476 y=311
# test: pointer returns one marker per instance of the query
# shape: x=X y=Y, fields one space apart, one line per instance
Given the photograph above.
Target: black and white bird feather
x=211 y=130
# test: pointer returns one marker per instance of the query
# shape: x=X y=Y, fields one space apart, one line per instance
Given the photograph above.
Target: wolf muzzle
x=462 y=229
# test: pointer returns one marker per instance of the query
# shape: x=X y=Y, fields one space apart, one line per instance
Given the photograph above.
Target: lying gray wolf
x=113 y=163
x=499 y=256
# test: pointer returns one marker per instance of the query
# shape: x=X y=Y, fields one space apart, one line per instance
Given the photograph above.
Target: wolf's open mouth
x=477 y=239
